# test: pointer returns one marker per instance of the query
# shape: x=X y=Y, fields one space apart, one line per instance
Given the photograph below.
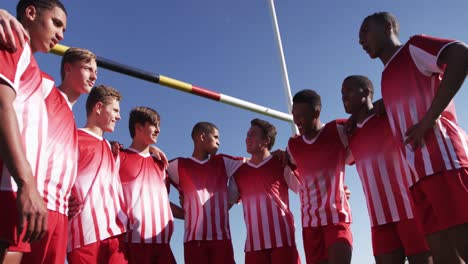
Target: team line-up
x=71 y=195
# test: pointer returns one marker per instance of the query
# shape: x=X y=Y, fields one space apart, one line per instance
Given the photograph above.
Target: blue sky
x=229 y=47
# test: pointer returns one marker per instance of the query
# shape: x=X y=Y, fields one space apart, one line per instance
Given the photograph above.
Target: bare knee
x=459 y=236
x=443 y=248
x=12 y=257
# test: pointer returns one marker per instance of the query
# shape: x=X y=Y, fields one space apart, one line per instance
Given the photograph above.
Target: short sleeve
x=232 y=164
x=291 y=179
x=173 y=171
x=425 y=51
x=233 y=191
x=14 y=65
x=291 y=157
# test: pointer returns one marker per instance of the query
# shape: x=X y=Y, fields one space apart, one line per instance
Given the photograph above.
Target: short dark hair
x=362 y=82
x=269 y=130
x=73 y=55
x=142 y=115
x=385 y=17
x=39 y=5
x=103 y=94
x=203 y=127
x=310 y=97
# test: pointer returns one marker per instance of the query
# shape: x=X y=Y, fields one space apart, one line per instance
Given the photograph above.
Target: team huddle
x=70 y=195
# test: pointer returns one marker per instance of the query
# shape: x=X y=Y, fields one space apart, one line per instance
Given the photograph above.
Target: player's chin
x=45 y=49
x=348 y=110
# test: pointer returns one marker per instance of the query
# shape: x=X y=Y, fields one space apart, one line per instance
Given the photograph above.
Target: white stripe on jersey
x=388 y=188
x=375 y=197
x=449 y=144
x=397 y=157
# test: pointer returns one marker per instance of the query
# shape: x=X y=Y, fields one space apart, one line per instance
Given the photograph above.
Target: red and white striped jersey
x=384 y=173
x=99 y=191
x=20 y=71
x=62 y=150
x=145 y=188
x=321 y=166
x=409 y=83
x=204 y=185
x=263 y=190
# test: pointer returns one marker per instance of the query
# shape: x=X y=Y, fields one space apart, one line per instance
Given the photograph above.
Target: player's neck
x=200 y=154
x=259 y=156
x=140 y=146
x=94 y=128
x=365 y=111
x=390 y=49
x=310 y=134
x=71 y=93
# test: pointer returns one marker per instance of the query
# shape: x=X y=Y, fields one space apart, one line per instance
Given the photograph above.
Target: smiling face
x=81 y=75
x=46 y=27
x=108 y=114
x=148 y=132
x=255 y=140
x=305 y=117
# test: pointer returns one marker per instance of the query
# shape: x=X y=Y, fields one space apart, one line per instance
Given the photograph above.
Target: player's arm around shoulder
x=233 y=192
x=9 y=27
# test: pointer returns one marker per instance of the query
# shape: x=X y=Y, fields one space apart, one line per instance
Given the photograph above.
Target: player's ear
x=316 y=113
x=365 y=92
x=267 y=142
x=66 y=68
x=138 y=127
x=388 y=28
x=30 y=13
x=98 y=107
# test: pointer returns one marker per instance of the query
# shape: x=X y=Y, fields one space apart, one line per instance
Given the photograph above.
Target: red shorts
x=441 y=200
x=150 y=253
x=273 y=256
x=406 y=234
x=317 y=240
x=53 y=247
x=111 y=250
x=9 y=223
x=208 y=251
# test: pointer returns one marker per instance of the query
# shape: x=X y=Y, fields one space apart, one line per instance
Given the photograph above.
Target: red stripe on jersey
x=383 y=171
x=320 y=164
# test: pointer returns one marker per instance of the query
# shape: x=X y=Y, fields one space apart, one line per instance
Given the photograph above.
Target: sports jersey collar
x=199 y=161
x=396 y=53
x=91 y=133
x=314 y=138
x=360 y=125
x=260 y=164
x=65 y=97
x=144 y=155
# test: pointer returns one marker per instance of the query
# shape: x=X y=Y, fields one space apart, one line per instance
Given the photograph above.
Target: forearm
x=454 y=76
x=177 y=211
x=12 y=152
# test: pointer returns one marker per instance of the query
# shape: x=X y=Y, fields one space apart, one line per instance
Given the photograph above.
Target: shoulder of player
x=225 y=156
